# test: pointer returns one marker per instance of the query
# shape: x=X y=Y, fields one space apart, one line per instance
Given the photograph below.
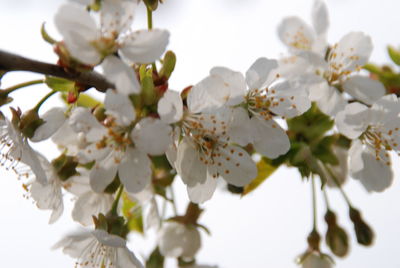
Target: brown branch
x=13 y=62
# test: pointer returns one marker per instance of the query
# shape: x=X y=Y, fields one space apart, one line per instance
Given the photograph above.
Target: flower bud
x=151 y=4
x=336 y=237
x=364 y=233
x=146 y=81
x=169 y=62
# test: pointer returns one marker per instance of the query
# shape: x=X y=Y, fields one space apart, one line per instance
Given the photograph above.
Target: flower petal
x=91 y=204
x=120 y=107
x=364 y=88
x=135 y=171
x=119 y=73
x=353 y=120
x=259 y=72
x=53 y=119
x=235 y=165
x=126 y=259
x=202 y=192
x=375 y=175
x=145 y=46
x=320 y=18
x=103 y=173
x=117 y=16
x=152 y=136
x=170 y=107
x=269 y=138
x=78 y=29
x=296 y=34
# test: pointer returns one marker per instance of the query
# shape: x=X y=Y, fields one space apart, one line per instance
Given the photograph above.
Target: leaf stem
x=21 y=85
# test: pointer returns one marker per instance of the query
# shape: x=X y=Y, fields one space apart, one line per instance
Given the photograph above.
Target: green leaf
x=169 y=63
x=133 y=214
x=394 y=54
x=156 y=260
x=59 y=84
x=265 y=169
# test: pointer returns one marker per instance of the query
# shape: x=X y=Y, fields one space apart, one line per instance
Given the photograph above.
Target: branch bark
x=13 y=62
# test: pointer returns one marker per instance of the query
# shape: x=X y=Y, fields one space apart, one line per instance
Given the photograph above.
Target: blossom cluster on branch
x=321 y=108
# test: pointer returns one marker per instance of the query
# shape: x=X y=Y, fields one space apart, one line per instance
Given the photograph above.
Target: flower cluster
x=313 y=109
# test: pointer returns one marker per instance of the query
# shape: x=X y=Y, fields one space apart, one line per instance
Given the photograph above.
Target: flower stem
x=340 y=188
x=21 y=85
x=328 y=207
x=314 y=203
x=43 y=100
x=149 y=18
x=150 y=26
x=116 y=200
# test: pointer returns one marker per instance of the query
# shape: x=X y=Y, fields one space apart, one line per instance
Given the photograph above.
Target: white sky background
x=265 y=229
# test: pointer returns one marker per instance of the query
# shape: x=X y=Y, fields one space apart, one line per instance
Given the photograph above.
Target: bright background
x=268 y=228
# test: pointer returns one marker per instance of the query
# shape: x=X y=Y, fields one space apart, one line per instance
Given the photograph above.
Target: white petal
x=82 y=120
x=296 y=34
x=117 y=16
x=364 y=88
x=239 y=127
x=48 y=196
x=74 y=244
x=202 y=192
x=352 y=52
x=320 y=18
x=235 y=165
x=135 y=171
x=103 y=173
x=170 y=107
x=353 y=120
x=78 y=29
x=145 y=46
x=269 y=138
x=91 y=204
x=53 y=119
x=178 y=240
x=152 y=136
x=385 y=112
x=126 y=259
x=259 y=72
x=222 y=87
x=331 y=101
x=375 y=175
x=109 y=239
x=293 y=99
x=119 y=73
x=120 y=107
x=188 y=164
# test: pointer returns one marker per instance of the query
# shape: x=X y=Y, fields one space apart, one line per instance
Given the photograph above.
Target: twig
x=13 y=62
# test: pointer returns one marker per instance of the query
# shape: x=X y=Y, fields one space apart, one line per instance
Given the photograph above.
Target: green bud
x=147 y=83
x=365 y=235
x=100 y=113
x=29 y=122
x=336 y=237
x=112 y=224
x=113 y=186
x=65 y=166
x=151 y=4
x=313 y=240
x=169 y=63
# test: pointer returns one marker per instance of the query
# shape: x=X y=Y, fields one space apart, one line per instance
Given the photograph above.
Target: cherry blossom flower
x=374 y=131
x=98 y=249
x=91 y=44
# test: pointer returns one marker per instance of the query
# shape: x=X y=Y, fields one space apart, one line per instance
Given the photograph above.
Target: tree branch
x=13 y=62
